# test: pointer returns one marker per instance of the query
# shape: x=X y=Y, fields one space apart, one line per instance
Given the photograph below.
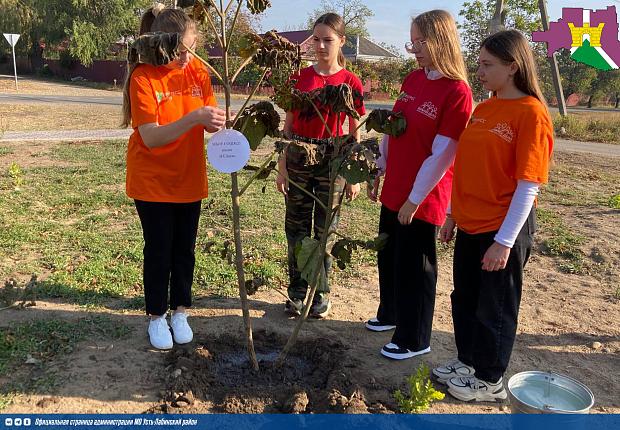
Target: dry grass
x=43 y=116
x=589 y=126
x=38 y=86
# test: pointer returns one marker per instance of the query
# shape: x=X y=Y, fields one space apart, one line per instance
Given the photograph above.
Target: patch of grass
x=36 y=343
x=617 y=293
x=614 y=202
x=589 y=128
x=561 y=242
x=44 y=340
x=73 y=222
x=5 y=150
x=68 y=116
x=581 y=181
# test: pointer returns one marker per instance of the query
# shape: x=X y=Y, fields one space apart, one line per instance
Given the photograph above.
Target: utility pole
x=553 y=62
x=497 y=22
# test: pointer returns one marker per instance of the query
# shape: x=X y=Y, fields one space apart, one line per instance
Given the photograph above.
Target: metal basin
x=537 y=392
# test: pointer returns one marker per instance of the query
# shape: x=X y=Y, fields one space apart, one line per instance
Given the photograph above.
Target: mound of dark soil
x=215 y=375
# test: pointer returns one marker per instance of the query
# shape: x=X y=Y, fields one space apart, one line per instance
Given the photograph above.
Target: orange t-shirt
x=176 y=172
x=506 y=141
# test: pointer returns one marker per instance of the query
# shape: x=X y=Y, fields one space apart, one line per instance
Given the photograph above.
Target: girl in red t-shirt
x=169 y=107
x=328 y=37
x=436 y=101
x=502 y=158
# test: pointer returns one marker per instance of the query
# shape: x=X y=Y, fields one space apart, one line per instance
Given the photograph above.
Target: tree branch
x=260 y=81
x=203 y=61
x=245 y=63
x=212 y=24
x=257 y=173
x=234 y=23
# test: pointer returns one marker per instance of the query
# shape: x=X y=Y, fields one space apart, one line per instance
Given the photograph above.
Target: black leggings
x=169 y=231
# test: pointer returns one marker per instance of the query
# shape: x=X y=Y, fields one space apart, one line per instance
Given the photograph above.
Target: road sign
x=12 y=39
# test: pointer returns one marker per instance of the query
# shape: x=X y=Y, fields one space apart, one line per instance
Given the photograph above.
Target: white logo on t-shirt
x=405 y=97
x=504 y=131
x=196 y=91
x=428 y=109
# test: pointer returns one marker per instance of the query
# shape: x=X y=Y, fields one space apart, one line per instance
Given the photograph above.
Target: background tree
x=577 y=78
x=90 y=26
x=522 y=15
x=605 y=87
x=354 y=13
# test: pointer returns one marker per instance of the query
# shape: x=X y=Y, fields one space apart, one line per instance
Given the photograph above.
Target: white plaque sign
x=228 y=151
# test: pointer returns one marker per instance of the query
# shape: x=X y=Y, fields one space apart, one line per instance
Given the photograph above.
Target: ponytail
x=342 y=61
x=156 y=18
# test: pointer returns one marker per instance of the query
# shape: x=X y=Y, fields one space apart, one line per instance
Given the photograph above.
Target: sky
x=393 y=17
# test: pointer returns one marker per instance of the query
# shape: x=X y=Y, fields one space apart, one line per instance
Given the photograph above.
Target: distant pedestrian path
x=562 y=145
x=65 y=135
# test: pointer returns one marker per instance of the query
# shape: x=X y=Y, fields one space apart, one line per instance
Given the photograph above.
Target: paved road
x=117 y=100
x=562 y=145
x=236 y=103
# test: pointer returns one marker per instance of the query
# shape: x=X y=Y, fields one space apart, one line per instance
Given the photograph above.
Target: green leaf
x=386 y=122
x=257 y=121
x=253 y=130
x=309 y=255
x=421 y=392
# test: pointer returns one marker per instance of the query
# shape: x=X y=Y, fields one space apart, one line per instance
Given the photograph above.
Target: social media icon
x=27 y=422
x=8 y=422
x=17 y=422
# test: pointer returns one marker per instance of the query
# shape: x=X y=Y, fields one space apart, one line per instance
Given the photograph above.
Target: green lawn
x=74 y=226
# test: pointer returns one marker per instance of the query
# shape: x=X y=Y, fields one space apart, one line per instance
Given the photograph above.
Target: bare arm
x=353 y=124
x=155 y=135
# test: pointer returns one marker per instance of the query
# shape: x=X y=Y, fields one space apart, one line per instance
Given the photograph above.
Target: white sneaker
x=452 y=369
x=159 y=333
x=180 y=328
x=470 y=388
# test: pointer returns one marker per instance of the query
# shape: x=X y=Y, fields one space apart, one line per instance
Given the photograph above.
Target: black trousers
x=485 y=305
x=407 y=279
x=169 y=231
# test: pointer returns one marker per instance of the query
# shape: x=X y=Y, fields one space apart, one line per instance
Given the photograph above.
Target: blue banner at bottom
x=314 y=422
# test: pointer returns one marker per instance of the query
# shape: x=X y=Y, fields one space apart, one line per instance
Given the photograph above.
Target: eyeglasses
x=414 y=47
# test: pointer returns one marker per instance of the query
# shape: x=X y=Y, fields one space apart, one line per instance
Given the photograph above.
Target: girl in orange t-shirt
x=502 y=159
x=169 y=107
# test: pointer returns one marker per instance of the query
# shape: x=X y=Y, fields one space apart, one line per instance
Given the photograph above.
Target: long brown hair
x=156 y=18
x=511 y=46
x=439 y=30
x=336 y=23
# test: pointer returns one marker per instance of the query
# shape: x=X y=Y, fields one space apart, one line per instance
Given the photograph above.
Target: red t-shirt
x=431 y=107
x=312 y=126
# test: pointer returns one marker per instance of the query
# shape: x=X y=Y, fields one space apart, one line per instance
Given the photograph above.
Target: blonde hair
x=336 y=23
x=156 y=18
x=439 y=30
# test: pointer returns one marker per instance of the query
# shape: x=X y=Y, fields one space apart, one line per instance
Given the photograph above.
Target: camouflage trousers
x=304 y=217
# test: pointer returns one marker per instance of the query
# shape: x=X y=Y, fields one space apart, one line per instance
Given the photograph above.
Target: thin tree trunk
x=243 y=294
